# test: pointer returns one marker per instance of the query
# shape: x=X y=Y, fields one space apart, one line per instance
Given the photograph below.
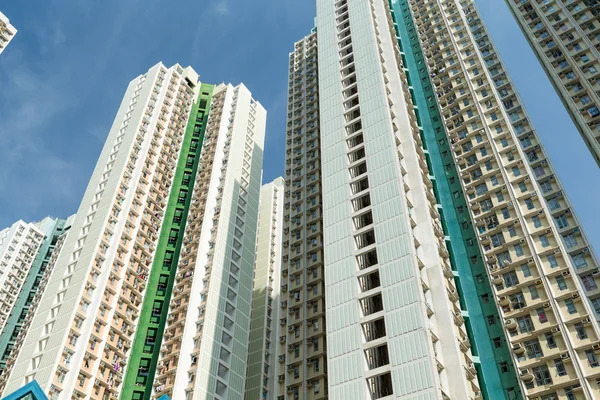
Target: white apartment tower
x=205 y=346
x=7 y=32
x=262 y=358
x=565 y=37
x=394 y=326
x=99 y=326
x=19 y=246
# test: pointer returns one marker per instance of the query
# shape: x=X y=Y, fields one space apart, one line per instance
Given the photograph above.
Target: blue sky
x=63 y=76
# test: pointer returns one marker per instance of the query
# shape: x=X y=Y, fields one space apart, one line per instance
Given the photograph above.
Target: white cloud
x=221 y=7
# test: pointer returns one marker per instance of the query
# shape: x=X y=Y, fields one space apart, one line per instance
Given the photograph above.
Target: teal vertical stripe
x=466 y=259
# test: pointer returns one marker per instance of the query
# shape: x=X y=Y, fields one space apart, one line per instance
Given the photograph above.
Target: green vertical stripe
x=144 y=354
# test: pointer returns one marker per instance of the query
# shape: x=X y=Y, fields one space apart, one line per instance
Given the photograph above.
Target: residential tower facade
x=539 y=261
x=98 y=329
x=19 y=321
x=394 y=323
x=565 y=37
x=19 y=247
x=262 y=363
x=302 y=345
x=7 y=32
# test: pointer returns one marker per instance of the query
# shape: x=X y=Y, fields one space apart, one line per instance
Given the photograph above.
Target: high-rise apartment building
x=262 y=363
x=394 y=323
x=7 y=32
x=565 y=37
x=392 y=318
x=25 y=306
x=541 y=266
x=495 y=370
x=205 y=345
x=19 y=247
x=176 y=184
x=301 y=344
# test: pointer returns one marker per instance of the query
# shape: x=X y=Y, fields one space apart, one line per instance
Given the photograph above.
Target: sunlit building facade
x=540 y=264
x=176 y=184
x=565 y=37
x=7 y=32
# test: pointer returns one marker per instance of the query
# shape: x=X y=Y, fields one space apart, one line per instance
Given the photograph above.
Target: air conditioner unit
x=546 y=305
x=585 y=321
x=575 y=296
x=566 y=273
x=538 y=282
x=596 y=347
x=565 y=356
x=555 y=330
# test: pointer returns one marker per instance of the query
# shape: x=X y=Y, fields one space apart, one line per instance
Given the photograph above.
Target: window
x=560 y=367
x=530 y=204
x=497 y=240
x=580 y=329
x=541 y=315
x=526 y=271
x=570 y=306
x=525 y=324
x=503 y=367
x=579 y=261
x=491 y=320
x=533 y=348
x=589 y=282
x=497 y=342
x=542 y=375
x=552 y=261
x=510 y=279
x=560 y=282
x=592 y=359
x=533 y=292
x=570 y=240
x=550 y=342
x=519 y=250
x=536 y=222
x=544 y=241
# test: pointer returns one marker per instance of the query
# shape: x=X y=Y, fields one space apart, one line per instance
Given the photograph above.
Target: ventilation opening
x=371 y=305
x=361 y=202
x=374 y=329
x=367 y=260
x=355 y=127
x=363 y=220
x=380 y=386
x=365 y=239
x=352 y=115
x=356 y=155
x=355 y=141
x=377 y=357
x=370 y=281
x=351 y=103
